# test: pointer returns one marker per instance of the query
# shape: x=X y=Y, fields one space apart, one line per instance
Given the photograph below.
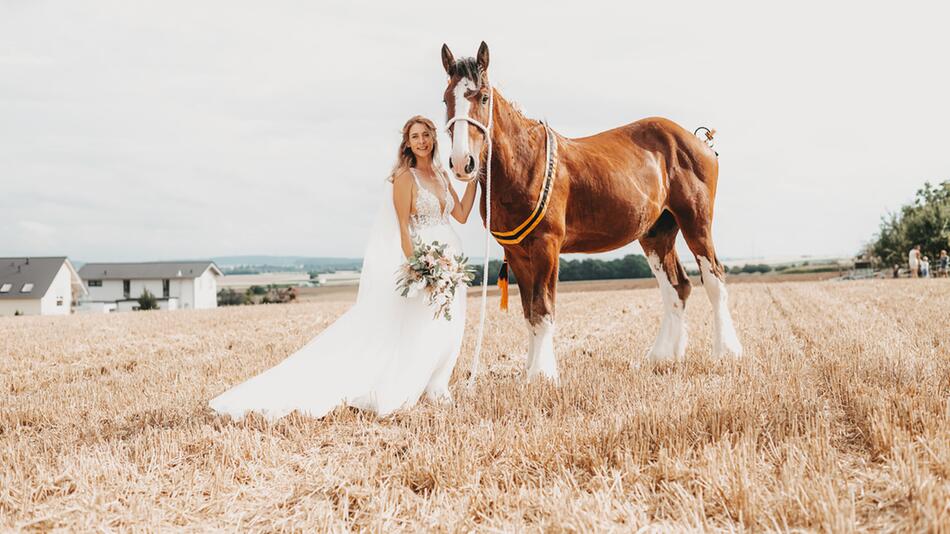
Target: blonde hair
x=406 y=158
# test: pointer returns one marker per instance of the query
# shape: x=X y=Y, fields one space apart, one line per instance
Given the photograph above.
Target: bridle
x=515 y=236
x=486 y=129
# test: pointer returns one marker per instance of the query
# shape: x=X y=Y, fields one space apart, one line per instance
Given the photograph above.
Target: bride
x=387 y=350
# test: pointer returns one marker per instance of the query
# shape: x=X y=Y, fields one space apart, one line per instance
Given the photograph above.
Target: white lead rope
x=487 y=130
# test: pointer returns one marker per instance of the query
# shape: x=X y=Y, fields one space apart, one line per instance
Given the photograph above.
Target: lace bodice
x=429 y=210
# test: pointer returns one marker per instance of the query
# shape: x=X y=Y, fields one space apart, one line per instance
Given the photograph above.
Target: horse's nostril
x=451 y=164
x=470 y=166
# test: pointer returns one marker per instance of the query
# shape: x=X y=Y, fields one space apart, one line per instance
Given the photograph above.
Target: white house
x=38 y=286
x=118 y=286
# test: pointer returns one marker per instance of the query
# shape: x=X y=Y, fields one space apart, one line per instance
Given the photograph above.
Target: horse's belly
x=589 y=242
x=608 y=229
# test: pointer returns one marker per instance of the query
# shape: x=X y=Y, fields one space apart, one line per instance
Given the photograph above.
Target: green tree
x=147 y=301
x=924 y=222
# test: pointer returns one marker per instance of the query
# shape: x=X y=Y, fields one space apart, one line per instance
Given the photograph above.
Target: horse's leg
x=535 y=268
x=697 y=230
x=521 y=268
x=659 y=246
x=725 y=340
x=525 y=277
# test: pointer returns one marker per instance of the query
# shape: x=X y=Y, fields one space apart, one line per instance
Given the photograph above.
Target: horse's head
x=467 y=110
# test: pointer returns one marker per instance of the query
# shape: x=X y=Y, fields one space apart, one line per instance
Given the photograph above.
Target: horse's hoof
x=543 y=374
x=661 y=357
x=726 y=350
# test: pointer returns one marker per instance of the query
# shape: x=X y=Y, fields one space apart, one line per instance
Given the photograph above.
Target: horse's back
x=650 y=126
x=639 y=170
x=664 y=139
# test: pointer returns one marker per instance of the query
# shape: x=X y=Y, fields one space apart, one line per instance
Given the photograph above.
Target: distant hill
x=285 y=261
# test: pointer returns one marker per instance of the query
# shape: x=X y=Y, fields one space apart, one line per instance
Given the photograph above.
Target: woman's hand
x=463 y=208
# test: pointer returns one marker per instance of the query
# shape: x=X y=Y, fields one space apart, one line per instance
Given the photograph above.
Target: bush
x=493 y=267
x=757 y=268
x=750 y=268
x=257 y=290
x=147 y=301
x=230 y=297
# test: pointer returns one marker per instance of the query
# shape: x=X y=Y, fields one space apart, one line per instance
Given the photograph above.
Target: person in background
x=943 y=265
x=913 y=261
x=925 y=267
x=896 y=271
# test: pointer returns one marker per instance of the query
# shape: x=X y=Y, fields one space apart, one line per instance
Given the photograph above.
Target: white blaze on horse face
x=541 y=359
x=725 y=340
x=671 y=340
x=460 y=140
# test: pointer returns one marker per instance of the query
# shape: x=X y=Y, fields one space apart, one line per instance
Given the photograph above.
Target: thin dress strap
x=415 y=177
x=449 y=201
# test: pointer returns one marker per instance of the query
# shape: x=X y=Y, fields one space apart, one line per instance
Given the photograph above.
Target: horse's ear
x=448 y=60
x=482 y=57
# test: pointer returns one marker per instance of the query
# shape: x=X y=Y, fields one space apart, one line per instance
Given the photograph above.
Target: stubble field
x=836 y=420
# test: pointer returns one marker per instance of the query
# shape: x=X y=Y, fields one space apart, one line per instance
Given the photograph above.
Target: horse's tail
x=710 y=133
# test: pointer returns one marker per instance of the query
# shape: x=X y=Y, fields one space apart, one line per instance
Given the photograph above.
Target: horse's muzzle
x=467 y=173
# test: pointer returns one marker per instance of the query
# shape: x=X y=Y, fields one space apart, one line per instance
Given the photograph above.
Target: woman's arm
x=464 y=208
x=402 y=200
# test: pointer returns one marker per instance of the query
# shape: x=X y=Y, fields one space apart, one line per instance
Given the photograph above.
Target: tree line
x=924 y=222
x=629 y=266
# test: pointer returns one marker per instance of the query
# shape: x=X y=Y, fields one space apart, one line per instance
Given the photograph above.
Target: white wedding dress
x=383 y=353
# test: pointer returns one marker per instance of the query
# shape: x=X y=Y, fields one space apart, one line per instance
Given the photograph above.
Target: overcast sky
x=161 y=130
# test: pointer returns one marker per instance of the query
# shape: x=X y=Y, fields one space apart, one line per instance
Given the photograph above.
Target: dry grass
x=836 y=421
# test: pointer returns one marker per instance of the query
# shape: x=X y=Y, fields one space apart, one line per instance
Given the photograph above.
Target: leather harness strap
x=513 y=237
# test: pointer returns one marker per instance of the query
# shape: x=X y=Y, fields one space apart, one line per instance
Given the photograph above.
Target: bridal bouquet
x=439 y=274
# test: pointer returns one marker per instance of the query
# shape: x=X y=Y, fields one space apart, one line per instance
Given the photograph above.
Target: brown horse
x=646 y=181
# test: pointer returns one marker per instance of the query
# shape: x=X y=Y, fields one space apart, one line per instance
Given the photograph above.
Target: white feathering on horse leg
x=671 y=340
x=725 y=340
x=542 y=361
x=529 y=357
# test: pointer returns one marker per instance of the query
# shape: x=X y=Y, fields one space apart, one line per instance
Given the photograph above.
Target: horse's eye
x=484 y=99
